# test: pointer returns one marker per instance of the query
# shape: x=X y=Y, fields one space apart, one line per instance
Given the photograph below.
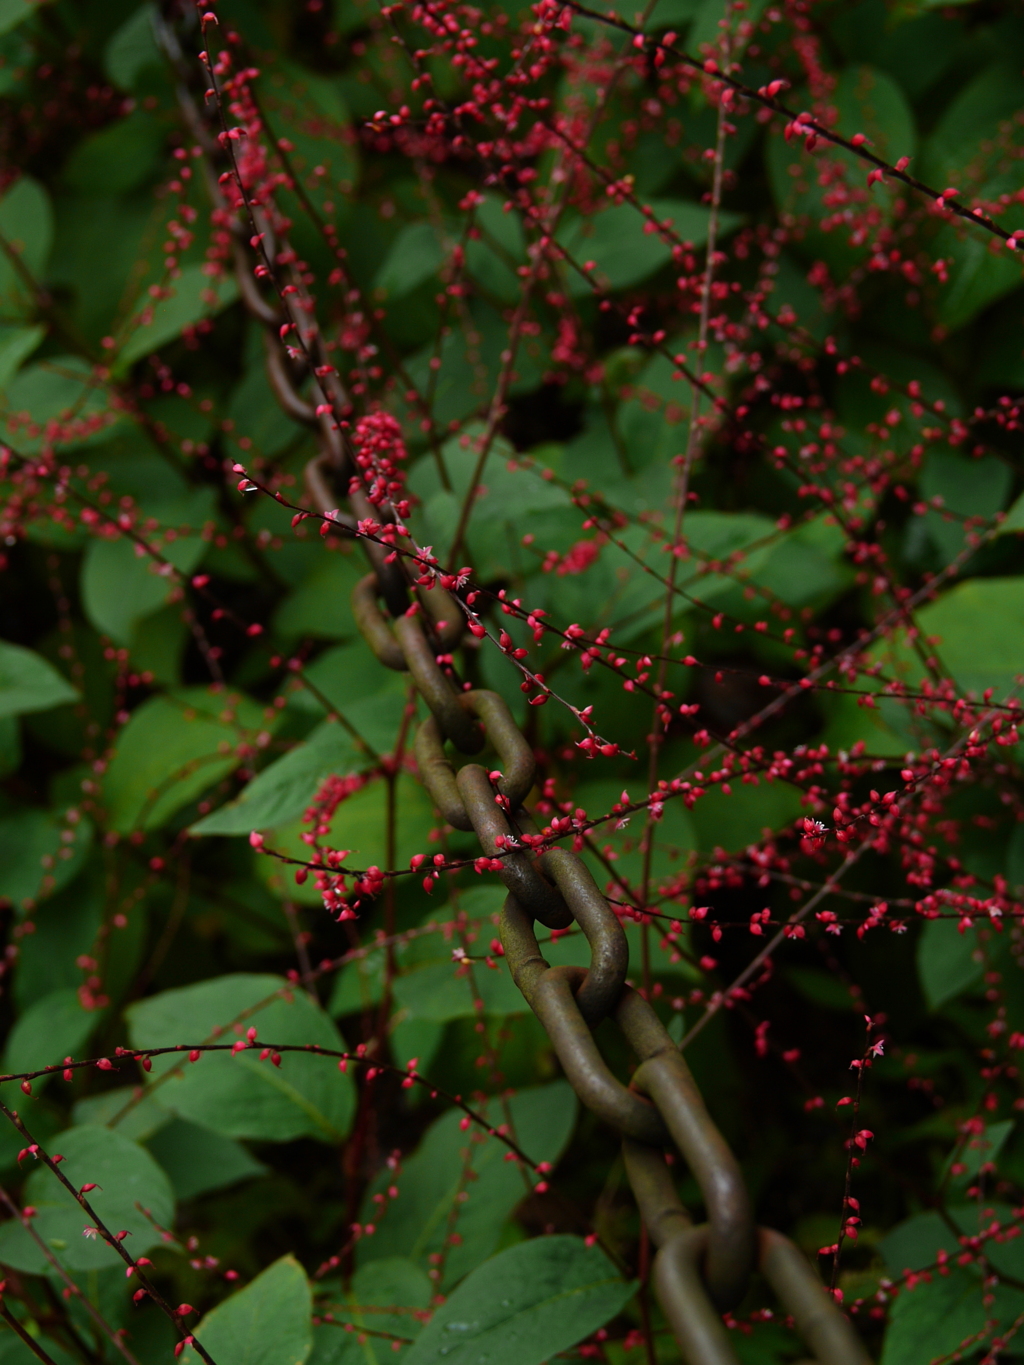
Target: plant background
x=175 y=658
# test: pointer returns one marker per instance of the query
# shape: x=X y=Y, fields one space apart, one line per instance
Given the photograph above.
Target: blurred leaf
x=121 y=157
x=437 y=992
x=132 y=48
x=26 y=226
x=393 y=1283
x=196 y=295
x=322 y=604
x=978 y=274
x=39 y=853
x=624 y=254
x=269 y=1322
x=29 y=683
x=969 y=487
x=122 y=584
x=238 y=1095
x=970 y=125
x=418 y=1224
x=946 y=963
x=198 y=1160
x=53 y=1028
x=979 y=626
x=134 y=1112
x=285 y=788
x=525 y=1305
x=415 y=255
x=127 y=1177
x=933 y=1319
x=172 y=748
x=16 y=345
x=60 y=394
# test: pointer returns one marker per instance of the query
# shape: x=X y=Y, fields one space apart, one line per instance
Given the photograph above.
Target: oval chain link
x=698 y=1271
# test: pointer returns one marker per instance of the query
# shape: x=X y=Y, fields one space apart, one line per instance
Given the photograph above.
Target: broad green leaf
x=524 y=1306
x=946 y=961
x=53 y=1028
x=968 y=487
x=415 y=255
x=126 y=1176
x=359 y=825
x=978 y=274
x=284 y=789
x=623 y=253
x=934 y=1318
x=979 y=629
x=393 y=1283
x=14 y=11
x=198 y=1160
x=134 y=1112
x=964 y=143
x=238 y=1095
x=13 y=1350
x=119 y=158
x=438 y=992
x=39 y=853
x=417 y=1224
x=731 y=822
x=16 y=345
x=122 y=584
x=26 y=225
x=269 y=1322
x=172 y=749
x=132 y=48
x=915 y=1243
x=59 y=399
x=196 y=295
x=872 y=103
x=257 y=417
x=322 y=604
x=28 y=683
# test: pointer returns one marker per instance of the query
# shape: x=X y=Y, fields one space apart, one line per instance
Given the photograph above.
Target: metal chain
x=699 y=1272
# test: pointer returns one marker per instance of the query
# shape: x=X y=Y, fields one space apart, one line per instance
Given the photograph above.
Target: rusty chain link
x=699 y=1272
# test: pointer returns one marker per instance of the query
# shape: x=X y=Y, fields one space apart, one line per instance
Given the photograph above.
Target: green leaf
x=969 y=487
x=624 y=254
x=871 y=102
x=415 y=255
x=734 y=821
x=16 y=345
x=524 y=1306
x=393 y=1283
x=964 y=144
x=39 y=853
x=269 y=1322
x=437 y=993
x=13 y=1350
x=28 y=683
x=26 y=224
x=132 y=48
x=127 y=1177
x=284 y=789
x=238 y=1095
x=53 y=1028
x=946 y=964
x=418 y=1223
x=979 y=626
x=934 y=1318
x=135 y=1113
x=173 y=748
x=195 y=296
x=359 y=825
x=119 y=158
x=59 y=389
x=322 y=604
x=122 y=585
x=198 y=1160
x=978 y=275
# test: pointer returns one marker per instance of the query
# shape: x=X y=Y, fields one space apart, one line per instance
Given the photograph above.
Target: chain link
x=698 y=1272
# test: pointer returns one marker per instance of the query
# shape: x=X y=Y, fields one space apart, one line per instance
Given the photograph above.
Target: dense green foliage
x=832 y=446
